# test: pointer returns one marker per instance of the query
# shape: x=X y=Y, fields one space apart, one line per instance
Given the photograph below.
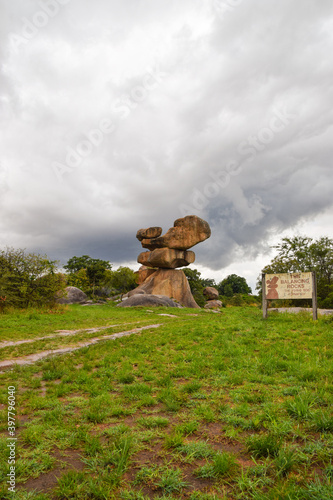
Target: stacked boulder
x=158 y=274
x=212 y=296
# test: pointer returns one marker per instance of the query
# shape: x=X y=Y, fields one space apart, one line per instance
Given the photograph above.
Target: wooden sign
x=289 y=286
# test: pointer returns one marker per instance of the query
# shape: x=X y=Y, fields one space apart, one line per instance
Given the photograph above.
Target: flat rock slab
x=145 y=299
x=167 y=258
x=7 y=364
x=296 y=310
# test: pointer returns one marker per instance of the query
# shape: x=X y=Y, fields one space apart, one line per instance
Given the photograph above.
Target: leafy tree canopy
x=123 y=279
x=95 y=268
x=27 y=279
x=233 y=285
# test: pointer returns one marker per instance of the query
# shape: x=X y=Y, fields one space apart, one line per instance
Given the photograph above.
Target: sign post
x=264 y=300
x=289 y=286
x=314 y=297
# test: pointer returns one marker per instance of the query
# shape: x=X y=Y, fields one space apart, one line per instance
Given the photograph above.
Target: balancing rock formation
x=158 y=274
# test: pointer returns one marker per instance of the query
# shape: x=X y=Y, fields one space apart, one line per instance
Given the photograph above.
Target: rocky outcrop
x=72 y=295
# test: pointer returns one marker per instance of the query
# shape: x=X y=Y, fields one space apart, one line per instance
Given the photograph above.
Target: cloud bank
x=122 y=115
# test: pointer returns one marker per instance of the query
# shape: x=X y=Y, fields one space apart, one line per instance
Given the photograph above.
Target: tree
x=79 y=279
x=95 y=268
x=196 y=285
x=122 y=280
x=27 y=279
x=233 y=285
x=303 y=254
x=208 y=282
x=76 y=263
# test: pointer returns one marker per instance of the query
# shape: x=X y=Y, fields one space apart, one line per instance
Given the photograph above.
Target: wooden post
x=314 y=297
x=264 y=300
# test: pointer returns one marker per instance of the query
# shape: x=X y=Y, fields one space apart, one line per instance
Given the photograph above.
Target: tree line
x=28 y=279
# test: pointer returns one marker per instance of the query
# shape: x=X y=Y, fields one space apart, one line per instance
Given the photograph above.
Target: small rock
x=150 y=232
x=212 y=304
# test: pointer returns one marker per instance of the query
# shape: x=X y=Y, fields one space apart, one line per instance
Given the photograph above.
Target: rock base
x=171 y=283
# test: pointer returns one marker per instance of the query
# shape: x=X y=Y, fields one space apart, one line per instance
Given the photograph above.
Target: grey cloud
x=223 y=81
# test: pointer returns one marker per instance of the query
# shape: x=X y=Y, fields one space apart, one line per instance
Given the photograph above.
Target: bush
x=27 y=279
x=79 y=279
x=240 y=300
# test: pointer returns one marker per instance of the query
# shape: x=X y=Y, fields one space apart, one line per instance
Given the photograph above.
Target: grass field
x=205 y=406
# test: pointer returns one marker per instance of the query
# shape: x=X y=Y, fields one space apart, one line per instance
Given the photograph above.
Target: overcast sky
x=120 y=115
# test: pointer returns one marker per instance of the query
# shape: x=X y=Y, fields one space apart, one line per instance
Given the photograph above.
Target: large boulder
x=211 y=293
x=171 y=283
x=167 y=258
x=148 y=300
x=187 y=232
x=72 y=295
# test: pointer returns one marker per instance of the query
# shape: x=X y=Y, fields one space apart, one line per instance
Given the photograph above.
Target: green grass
x=204 y=407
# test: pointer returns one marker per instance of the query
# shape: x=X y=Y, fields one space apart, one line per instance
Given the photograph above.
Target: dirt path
x=62 y=333
x=7 y=364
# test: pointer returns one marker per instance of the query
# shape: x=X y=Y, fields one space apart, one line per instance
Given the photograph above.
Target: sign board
x=289 y=286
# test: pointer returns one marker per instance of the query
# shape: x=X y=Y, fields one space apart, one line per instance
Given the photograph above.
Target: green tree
x=233 y=285
x=79 y=279
x=227 y=290
x=208 y=282
x=122 y=280
x=195 y=282
x=303 y=254
x=27 y=279
x=95 y=268
x=76 y=263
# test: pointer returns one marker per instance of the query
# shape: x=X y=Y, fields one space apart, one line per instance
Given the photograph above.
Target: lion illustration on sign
x=272 y=285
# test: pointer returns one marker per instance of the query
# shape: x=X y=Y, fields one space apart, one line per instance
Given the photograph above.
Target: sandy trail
x=32 y=358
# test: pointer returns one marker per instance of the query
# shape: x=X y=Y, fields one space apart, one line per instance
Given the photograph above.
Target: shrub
x=27 y=279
